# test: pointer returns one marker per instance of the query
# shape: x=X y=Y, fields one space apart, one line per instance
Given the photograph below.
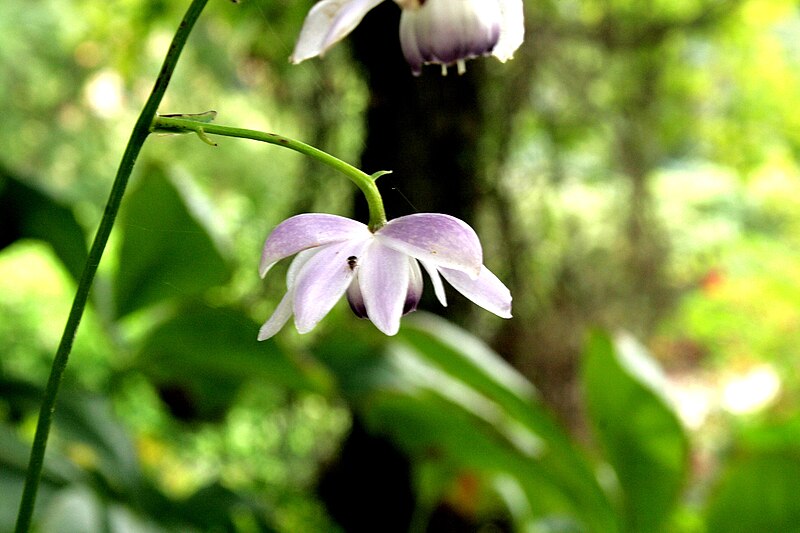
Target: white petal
x=383 y=277
x=486 y=290
x=328 y=22
x=512 y=29
x=297 y=265
x=439 y=239
x=322 y=281
x=279 y=317
x=436 y=281
x=283 y=312
x=302 y=232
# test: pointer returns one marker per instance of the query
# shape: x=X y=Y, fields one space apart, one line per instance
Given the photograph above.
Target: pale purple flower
x=444 y=32
x=379 y=272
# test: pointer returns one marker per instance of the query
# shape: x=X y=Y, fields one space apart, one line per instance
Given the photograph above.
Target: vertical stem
x=137 y=139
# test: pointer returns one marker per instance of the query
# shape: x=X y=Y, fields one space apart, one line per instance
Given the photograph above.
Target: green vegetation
x=635 y=174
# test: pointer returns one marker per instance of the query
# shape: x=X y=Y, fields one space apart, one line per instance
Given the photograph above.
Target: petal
x=414 y=293
x=284 y=310
x=356 y=299
x=436 y=281
x=512 y=29
x=486 y=291
x=328 y=22
x=449 y=31
x=297 y=265
x=322 y=281
x=307 y=231
x=279 y=317
x=441 y=240
x=383 y=278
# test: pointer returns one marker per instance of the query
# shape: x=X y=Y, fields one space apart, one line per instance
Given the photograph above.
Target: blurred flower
x=444 y=32
x=378 y=271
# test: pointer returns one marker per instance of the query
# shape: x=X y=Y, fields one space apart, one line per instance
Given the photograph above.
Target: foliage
x=172 y=416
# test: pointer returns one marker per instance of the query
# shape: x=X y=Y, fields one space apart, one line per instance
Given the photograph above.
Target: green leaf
x=167 y=251
x=560 y=468
x=26 y=212
x=441 y=393
x=758 y=493
x=206 y=353
x=641 y=436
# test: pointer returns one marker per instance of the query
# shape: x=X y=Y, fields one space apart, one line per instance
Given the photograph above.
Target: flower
x=379 y=272
x=444 y=32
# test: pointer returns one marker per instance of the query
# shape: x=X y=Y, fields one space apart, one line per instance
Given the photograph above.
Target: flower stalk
x=365 y=182
x=138 y=136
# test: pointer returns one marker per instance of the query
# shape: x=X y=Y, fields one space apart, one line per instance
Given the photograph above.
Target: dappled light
x=558 y=292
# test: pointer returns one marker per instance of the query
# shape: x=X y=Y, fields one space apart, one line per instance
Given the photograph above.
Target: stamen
x=462 y=66
x=444 y=70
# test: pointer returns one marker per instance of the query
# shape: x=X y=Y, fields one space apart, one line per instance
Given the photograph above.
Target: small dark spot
x=352 y=262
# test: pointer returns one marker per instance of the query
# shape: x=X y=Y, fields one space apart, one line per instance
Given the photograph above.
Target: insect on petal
x=322 y=281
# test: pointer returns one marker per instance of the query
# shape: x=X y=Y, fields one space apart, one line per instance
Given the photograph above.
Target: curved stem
x=138 y=136
x=365 y=182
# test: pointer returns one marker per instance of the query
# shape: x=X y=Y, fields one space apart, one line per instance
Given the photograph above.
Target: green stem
x=365 y=182
x=138 y=136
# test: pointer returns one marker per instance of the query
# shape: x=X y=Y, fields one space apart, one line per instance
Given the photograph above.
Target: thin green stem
x=365 y=182
x=138 y=136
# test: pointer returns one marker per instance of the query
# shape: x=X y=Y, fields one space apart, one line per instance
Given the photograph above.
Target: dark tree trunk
x=424 y=129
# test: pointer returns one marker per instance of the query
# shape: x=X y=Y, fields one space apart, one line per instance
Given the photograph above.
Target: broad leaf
x=167 y=251
x=201 y=356
x=26 y=212
x=443 y=395
x=758 y=492
x=640 y=434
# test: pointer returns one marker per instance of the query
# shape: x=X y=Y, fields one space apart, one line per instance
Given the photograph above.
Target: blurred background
x=634 y=175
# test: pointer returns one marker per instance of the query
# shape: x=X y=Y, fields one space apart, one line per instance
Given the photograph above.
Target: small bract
x=379 y=272
x=443 y=32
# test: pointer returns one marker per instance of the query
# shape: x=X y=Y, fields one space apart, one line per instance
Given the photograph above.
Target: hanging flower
x=443 y=32
x=379 y=272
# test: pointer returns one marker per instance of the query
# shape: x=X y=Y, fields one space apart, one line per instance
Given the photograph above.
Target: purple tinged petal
x=436 y=281
x=415 y=285
x=449 y=31
x=356 y=299
x=322 y=281
x=486 y=291
x=383 y=278
x=512 y=29
x=440 y=240
x=328 y=22
x=302 y=232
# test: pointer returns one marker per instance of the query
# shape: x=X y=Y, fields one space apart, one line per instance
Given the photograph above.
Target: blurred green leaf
x=167 y=251
x=553 y=464
x=444 y=396
x=200 y=357
x=757 y=493
x=641 y=436
x=26 y=212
